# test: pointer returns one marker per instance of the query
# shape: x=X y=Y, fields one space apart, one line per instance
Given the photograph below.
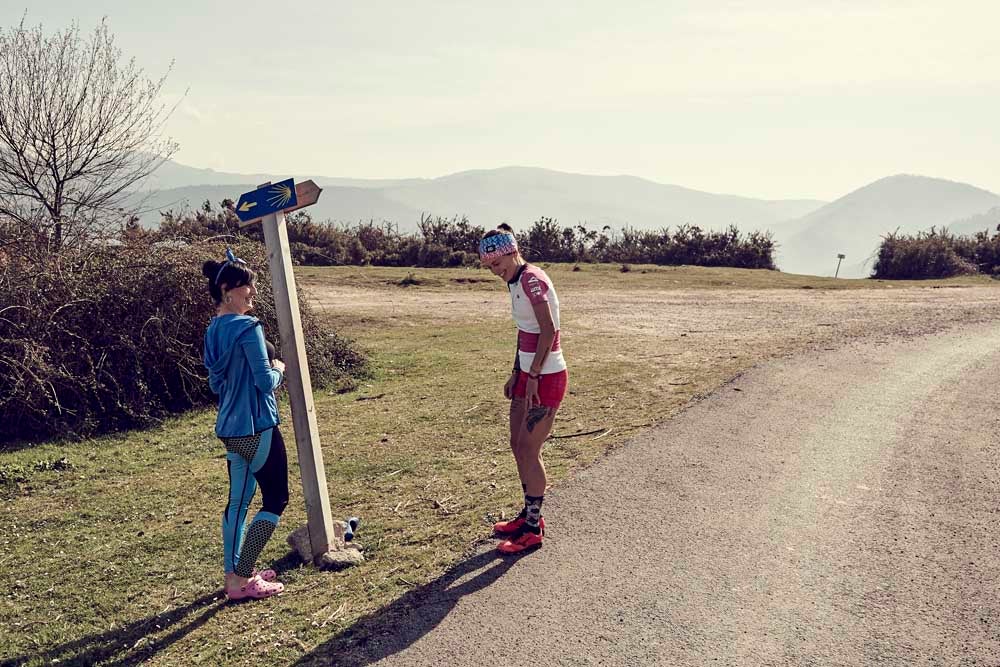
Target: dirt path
x=836 y=508
x=749 y=324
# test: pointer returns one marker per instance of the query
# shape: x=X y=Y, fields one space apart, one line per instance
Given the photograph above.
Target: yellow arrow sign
x=306 y=194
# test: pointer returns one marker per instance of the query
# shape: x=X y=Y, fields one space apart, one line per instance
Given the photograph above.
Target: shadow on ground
x=129 y=644
x=372 y=638
x=400 y=624
x=136 y=642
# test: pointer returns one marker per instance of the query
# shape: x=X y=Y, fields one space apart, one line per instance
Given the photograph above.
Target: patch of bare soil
x=748 y=325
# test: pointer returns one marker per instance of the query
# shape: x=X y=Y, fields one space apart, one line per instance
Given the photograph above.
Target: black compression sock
x=533 y=505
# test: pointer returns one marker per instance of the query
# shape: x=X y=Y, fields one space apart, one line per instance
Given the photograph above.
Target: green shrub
x=934 y=254
x=442 y=242
x=110 y=337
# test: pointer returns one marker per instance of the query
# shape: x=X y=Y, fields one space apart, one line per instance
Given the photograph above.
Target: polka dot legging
x=252 y=460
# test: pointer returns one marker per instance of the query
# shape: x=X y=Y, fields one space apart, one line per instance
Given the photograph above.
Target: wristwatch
x=533 y=377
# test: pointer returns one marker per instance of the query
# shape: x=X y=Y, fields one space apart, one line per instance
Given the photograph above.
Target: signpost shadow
x=402 y=623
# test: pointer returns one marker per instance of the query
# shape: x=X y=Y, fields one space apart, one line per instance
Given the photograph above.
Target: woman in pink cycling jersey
x=537 y=382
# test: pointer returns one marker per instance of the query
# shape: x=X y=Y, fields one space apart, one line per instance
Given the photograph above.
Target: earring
x=229 y=299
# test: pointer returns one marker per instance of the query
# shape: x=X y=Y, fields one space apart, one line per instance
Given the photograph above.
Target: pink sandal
x=256 y=588
x=266 y=575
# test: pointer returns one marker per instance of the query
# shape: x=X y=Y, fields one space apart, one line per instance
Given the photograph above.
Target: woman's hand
x=508 y=388
x=531 y=393
x=279 y=364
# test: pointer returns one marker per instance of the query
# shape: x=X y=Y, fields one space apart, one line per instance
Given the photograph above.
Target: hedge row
x=110 y=337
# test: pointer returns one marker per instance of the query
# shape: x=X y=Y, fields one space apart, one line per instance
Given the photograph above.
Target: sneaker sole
x=533 y=547
x=508 y=533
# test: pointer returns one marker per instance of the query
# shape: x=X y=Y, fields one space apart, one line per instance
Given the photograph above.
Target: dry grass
x=592 y=276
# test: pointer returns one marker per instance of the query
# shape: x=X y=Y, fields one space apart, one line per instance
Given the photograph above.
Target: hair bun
x=504 y=226
x=210 y=269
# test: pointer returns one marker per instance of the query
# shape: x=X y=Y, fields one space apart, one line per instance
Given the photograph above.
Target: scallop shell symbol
x=280 y=196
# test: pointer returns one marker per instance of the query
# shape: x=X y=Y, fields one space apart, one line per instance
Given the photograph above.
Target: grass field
x=596 y=276
x=111 y=550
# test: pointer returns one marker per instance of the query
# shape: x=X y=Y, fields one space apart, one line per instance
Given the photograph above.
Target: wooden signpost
x=840 y=258
x=283 y=197
x=268 y=205
x=307 y=194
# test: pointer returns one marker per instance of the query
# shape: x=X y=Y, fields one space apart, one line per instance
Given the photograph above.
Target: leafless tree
x=80 y=129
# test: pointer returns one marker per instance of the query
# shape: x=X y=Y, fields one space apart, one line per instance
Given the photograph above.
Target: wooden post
x=286 y=301
x=840 y=258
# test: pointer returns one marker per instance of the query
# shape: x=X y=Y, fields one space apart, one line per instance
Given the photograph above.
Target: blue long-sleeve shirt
x=239 y=372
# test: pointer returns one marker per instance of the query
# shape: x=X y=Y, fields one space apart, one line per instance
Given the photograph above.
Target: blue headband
x=231 y=260
x=497 y=246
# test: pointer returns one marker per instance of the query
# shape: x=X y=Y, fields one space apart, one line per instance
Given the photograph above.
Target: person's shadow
x=136 y=642
x=381 y=634
x=129 y=644
x=398 y=625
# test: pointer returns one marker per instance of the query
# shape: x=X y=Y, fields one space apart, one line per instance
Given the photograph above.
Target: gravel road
x=832 y=508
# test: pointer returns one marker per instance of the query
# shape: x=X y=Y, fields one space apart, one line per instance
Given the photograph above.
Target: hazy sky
x=765 y=98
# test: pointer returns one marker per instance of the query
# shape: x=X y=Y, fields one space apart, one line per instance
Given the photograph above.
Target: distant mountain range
x=809 y=232
x=518 y=195
x=855 y=224
x=174 y=175
x=989 y=221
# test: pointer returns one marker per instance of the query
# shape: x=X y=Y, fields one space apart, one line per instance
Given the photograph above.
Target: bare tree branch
x=80 y=129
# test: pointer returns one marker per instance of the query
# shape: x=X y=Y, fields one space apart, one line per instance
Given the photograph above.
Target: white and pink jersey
x=531 y=287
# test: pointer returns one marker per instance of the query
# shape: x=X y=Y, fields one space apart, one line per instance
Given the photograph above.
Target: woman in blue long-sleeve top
x=245 y=375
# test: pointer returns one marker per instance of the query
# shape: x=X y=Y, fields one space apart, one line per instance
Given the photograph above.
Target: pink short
x=551 y=387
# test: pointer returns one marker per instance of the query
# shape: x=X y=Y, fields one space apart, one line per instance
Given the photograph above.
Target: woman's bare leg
x=534 y=430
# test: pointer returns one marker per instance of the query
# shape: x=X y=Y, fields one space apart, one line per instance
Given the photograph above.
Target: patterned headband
x=231 y=260
x=497 y=245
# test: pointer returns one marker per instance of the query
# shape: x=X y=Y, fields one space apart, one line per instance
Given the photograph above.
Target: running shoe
x=524 y=540
x=514 y=525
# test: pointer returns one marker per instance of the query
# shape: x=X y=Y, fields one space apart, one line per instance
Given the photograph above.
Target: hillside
x=342 y=204
x=855 y=223
x=518 y=195
x=987 y=221
x=809 y=233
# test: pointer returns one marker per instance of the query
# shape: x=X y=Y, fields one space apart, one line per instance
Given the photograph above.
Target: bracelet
x=535 y=376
